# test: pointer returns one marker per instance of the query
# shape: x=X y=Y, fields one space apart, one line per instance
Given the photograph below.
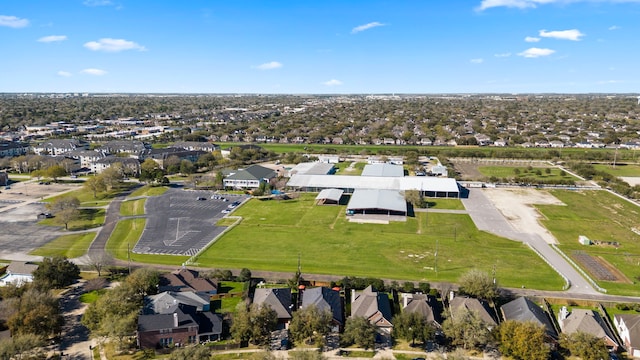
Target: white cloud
x=611 y=82
x=573 y=34
x=113 y=45
x=520 y=4
x=531 y=39
x=525 y=4
x=502 y=55
x=52 y=38
x=13 y=21
x=64 y=73
x=96 y=72
x=364 y=27
x=477 y=61
x=614 y=27
x=269 y=66
x=97 y=3
x=536 y=52
x=332 y=82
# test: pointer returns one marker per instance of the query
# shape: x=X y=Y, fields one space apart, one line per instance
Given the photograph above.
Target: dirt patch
x=599 y=268
x=515 y=205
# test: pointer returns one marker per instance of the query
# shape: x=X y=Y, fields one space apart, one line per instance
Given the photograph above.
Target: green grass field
x=70 y=246
x=87 y=199
x=601 y=216
x=124 y=238
x=509 y=172
x=619 y=169
x=89 y=218
x=132 y=207
x=273 y=233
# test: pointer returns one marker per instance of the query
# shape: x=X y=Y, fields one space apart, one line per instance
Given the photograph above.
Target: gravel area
x=515 y=205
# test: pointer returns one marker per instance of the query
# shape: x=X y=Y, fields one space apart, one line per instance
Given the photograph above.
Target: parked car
x=200 y=198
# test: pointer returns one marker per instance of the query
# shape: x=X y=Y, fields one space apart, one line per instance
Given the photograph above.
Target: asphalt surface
x=180 y=224
x=488 y=218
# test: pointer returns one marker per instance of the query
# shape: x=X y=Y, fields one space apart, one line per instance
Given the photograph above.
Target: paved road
x=488 y=218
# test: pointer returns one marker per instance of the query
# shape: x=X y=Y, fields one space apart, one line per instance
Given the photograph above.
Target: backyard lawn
x=599 y=216
x=273 y=233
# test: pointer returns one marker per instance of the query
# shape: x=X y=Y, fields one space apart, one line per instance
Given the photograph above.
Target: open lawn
x=502 y=172
x=89 y=218
x=70 y=246
x=101 y=199
x=600 y=216
x=344 y=168
x=273 y=233
x=449 y=204
x=125 y=236
x=132 y=207
x=619 y=169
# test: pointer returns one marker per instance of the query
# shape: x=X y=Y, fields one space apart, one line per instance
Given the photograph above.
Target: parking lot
x=182 y=222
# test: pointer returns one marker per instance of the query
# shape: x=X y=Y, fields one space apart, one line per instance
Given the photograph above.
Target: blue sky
x=322 y=46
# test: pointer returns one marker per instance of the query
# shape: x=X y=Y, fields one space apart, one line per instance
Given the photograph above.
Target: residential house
x=166 y=330
x=329 y=159
x=325 y=299
x=586 y=321
x=556 y=144
x=134 y=148
x=278 y=299
x=13 y=148
x=459 y=304
x=426 y=142
x=373 y=306
x=250 y=177
x=500 y=142
x=523 y=309
x=161 y=155
x=130 y=166
x=187 y=280
x=628 y=327
x=483 y=140
x=85 y=158
x=423 y=305
x=56 y=147
x=195 y=146
x=18 y=273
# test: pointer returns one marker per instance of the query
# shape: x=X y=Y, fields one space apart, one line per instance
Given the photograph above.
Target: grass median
x=70 y=246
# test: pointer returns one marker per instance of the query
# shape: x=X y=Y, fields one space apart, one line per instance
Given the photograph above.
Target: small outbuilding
x=329 y=196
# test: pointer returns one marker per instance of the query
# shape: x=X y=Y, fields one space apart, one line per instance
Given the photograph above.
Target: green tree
x=55 y=273
x=55 y=172
x=36 y=312
x=412 y=326
x=415 y=198
x=467 y=329
x=187 y=167
x=253 y=323
x=65 y=210
x=584 y=346
x=478 y=284
x=359 y=331
x=22 y=346
x=523 y=340
x=245 y=275
x=113 y=175
x=95 y=184
x=191 y=353
x=144 y=281
x=310 y=325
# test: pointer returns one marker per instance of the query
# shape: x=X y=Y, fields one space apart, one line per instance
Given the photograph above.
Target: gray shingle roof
x=461 y=303
x=167 y=302
x=278 y=299
x=165 y=321
x=523 y=309
x=373 y=306
x=324 y=299
x=587 y=321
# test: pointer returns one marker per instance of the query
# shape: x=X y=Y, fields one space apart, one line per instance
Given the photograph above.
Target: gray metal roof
x=253 y=172
x=312 y=168
x=386 y=170
x=423 y=183
x=330 y=194
x=377 y=199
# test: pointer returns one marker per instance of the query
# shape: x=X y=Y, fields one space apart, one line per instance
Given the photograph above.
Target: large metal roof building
x=428 y=186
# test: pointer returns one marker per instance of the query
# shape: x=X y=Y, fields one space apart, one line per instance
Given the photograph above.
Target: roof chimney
x=175 y=320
